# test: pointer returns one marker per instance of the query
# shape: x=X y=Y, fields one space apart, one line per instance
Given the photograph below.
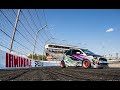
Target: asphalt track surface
x=60 y=74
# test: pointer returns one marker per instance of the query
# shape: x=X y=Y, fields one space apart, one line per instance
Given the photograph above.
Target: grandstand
x=56 y=51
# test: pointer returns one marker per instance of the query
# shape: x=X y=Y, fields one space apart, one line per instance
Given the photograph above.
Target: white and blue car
x=83 y=58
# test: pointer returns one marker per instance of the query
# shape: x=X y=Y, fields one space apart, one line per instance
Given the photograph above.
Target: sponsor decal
x=95 y=61
x=16 y=61
x=38 y=63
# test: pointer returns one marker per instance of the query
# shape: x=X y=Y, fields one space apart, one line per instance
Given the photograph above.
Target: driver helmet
x=77 y=52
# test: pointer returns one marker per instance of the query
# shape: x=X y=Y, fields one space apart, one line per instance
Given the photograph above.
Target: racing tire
x=62 y=64
x=86 y=64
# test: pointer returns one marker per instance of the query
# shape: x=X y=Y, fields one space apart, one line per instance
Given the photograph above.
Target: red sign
x=16 y=61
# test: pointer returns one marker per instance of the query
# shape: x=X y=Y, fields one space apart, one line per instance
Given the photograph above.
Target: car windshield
x=87 y=52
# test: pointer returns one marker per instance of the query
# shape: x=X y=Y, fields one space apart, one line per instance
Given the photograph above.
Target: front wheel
x=86 y=64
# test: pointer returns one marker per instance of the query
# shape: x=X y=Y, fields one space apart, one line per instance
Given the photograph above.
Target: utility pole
x=13 y=35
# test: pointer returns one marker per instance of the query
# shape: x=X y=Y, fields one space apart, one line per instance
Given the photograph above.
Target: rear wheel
x=86 y=64
x=62 y=64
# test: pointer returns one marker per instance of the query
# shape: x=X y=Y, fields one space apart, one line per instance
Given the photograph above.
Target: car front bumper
x=101 y=65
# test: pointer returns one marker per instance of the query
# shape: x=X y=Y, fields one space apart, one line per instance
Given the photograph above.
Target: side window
x=68 y=52
x=81 y=52
x=75 y=52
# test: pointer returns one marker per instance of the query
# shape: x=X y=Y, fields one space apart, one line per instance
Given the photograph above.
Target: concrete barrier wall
x=114 y=63
x=51 y=63
x=9 y=61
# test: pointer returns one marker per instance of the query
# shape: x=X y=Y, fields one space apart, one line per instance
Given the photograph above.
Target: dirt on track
x=60 y=74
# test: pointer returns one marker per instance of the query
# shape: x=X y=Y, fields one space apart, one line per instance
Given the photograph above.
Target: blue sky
x=96 y=29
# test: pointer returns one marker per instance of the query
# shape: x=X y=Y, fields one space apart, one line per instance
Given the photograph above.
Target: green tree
x=37 y=57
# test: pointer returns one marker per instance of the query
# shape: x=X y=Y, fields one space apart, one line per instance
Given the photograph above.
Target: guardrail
x=113 y=61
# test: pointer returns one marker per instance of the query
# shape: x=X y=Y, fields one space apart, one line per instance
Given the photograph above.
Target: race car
x=79 y=57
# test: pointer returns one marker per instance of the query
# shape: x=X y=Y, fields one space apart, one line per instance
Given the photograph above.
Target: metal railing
x=18 y=29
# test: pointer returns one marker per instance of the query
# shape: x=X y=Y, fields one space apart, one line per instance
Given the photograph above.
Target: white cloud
x=110 y=30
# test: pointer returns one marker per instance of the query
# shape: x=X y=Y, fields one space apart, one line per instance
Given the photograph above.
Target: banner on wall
x=8 y=60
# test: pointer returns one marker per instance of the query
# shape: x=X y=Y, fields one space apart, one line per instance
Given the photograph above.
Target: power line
x=32 y=19
x=6 y=18
x=34 y=22
x=27 y=21
x=23 y=38
x=14 y=40
x=38 y=17
x=13 y=26
x=26 y=29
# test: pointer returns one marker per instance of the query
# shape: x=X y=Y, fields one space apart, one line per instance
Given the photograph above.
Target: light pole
x=45 y=45
x=36 y=38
